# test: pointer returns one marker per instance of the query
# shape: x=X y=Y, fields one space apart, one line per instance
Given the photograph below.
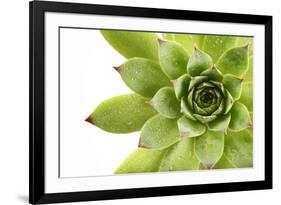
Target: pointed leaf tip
x=117 y=68
x=234 y=61
x=198 y=62
x=209 y=148
x=183 y=135
x=160 y=41
x=213 y=73
x=89 y=119
x=150 y=102
x=250 y=124
x=174 y=82
x=246 y=46
x=140 y=144
x=122 y=114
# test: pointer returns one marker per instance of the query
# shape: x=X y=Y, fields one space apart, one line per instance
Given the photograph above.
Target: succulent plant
x=192 y=101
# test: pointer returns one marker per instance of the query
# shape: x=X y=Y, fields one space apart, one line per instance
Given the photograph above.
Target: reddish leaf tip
x=196 y=49
x=141 y=145
x=160 y=41
x=209 y=167
x=150 y=102
x=89 y=119
x=214 y=67
x=246 y=46
x=249 y=125
x=117 y=68
x=225 y=131
x=173 y=82
x=183 y=135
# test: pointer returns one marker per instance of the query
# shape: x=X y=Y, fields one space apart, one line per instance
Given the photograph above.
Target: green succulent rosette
x=192 y=101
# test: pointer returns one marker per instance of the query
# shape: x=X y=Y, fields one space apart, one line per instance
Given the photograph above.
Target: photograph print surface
x=144 y=102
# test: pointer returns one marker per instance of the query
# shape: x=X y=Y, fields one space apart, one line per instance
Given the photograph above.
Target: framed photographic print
x=140 y=102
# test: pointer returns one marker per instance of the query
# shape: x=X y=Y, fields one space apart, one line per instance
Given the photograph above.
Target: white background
x=14 y=101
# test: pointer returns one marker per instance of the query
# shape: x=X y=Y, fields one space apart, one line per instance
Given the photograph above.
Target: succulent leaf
x=219 y=85
x=220 y=124
x=143 y=76
x=209 y=148
x=224 y=163
x=205 y=119
x=190 y=98
x=247 y=95
x=196 y=81
x=166 y=103
x=229 y=101
x=133 y=44
x=159 y=132
x=241 y=41
x=202 y=167
x=233 y=85
x=204 y=85
x=215 y=46
x=168 y=36
x=199 y=110
x=240 y=117
x=140 y=161
x=220 y=108
x=181 y=86
x=239 y=148
x=181 y=156
x=187 y=111
x=173 y=58
x=198 y=62
x=190 y=128
x=122 y=114
x=234 y=61
x=188 y=41
x=249 y=74
x=213 y=74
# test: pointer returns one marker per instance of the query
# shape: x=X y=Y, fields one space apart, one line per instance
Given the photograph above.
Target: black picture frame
x=37 y=9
